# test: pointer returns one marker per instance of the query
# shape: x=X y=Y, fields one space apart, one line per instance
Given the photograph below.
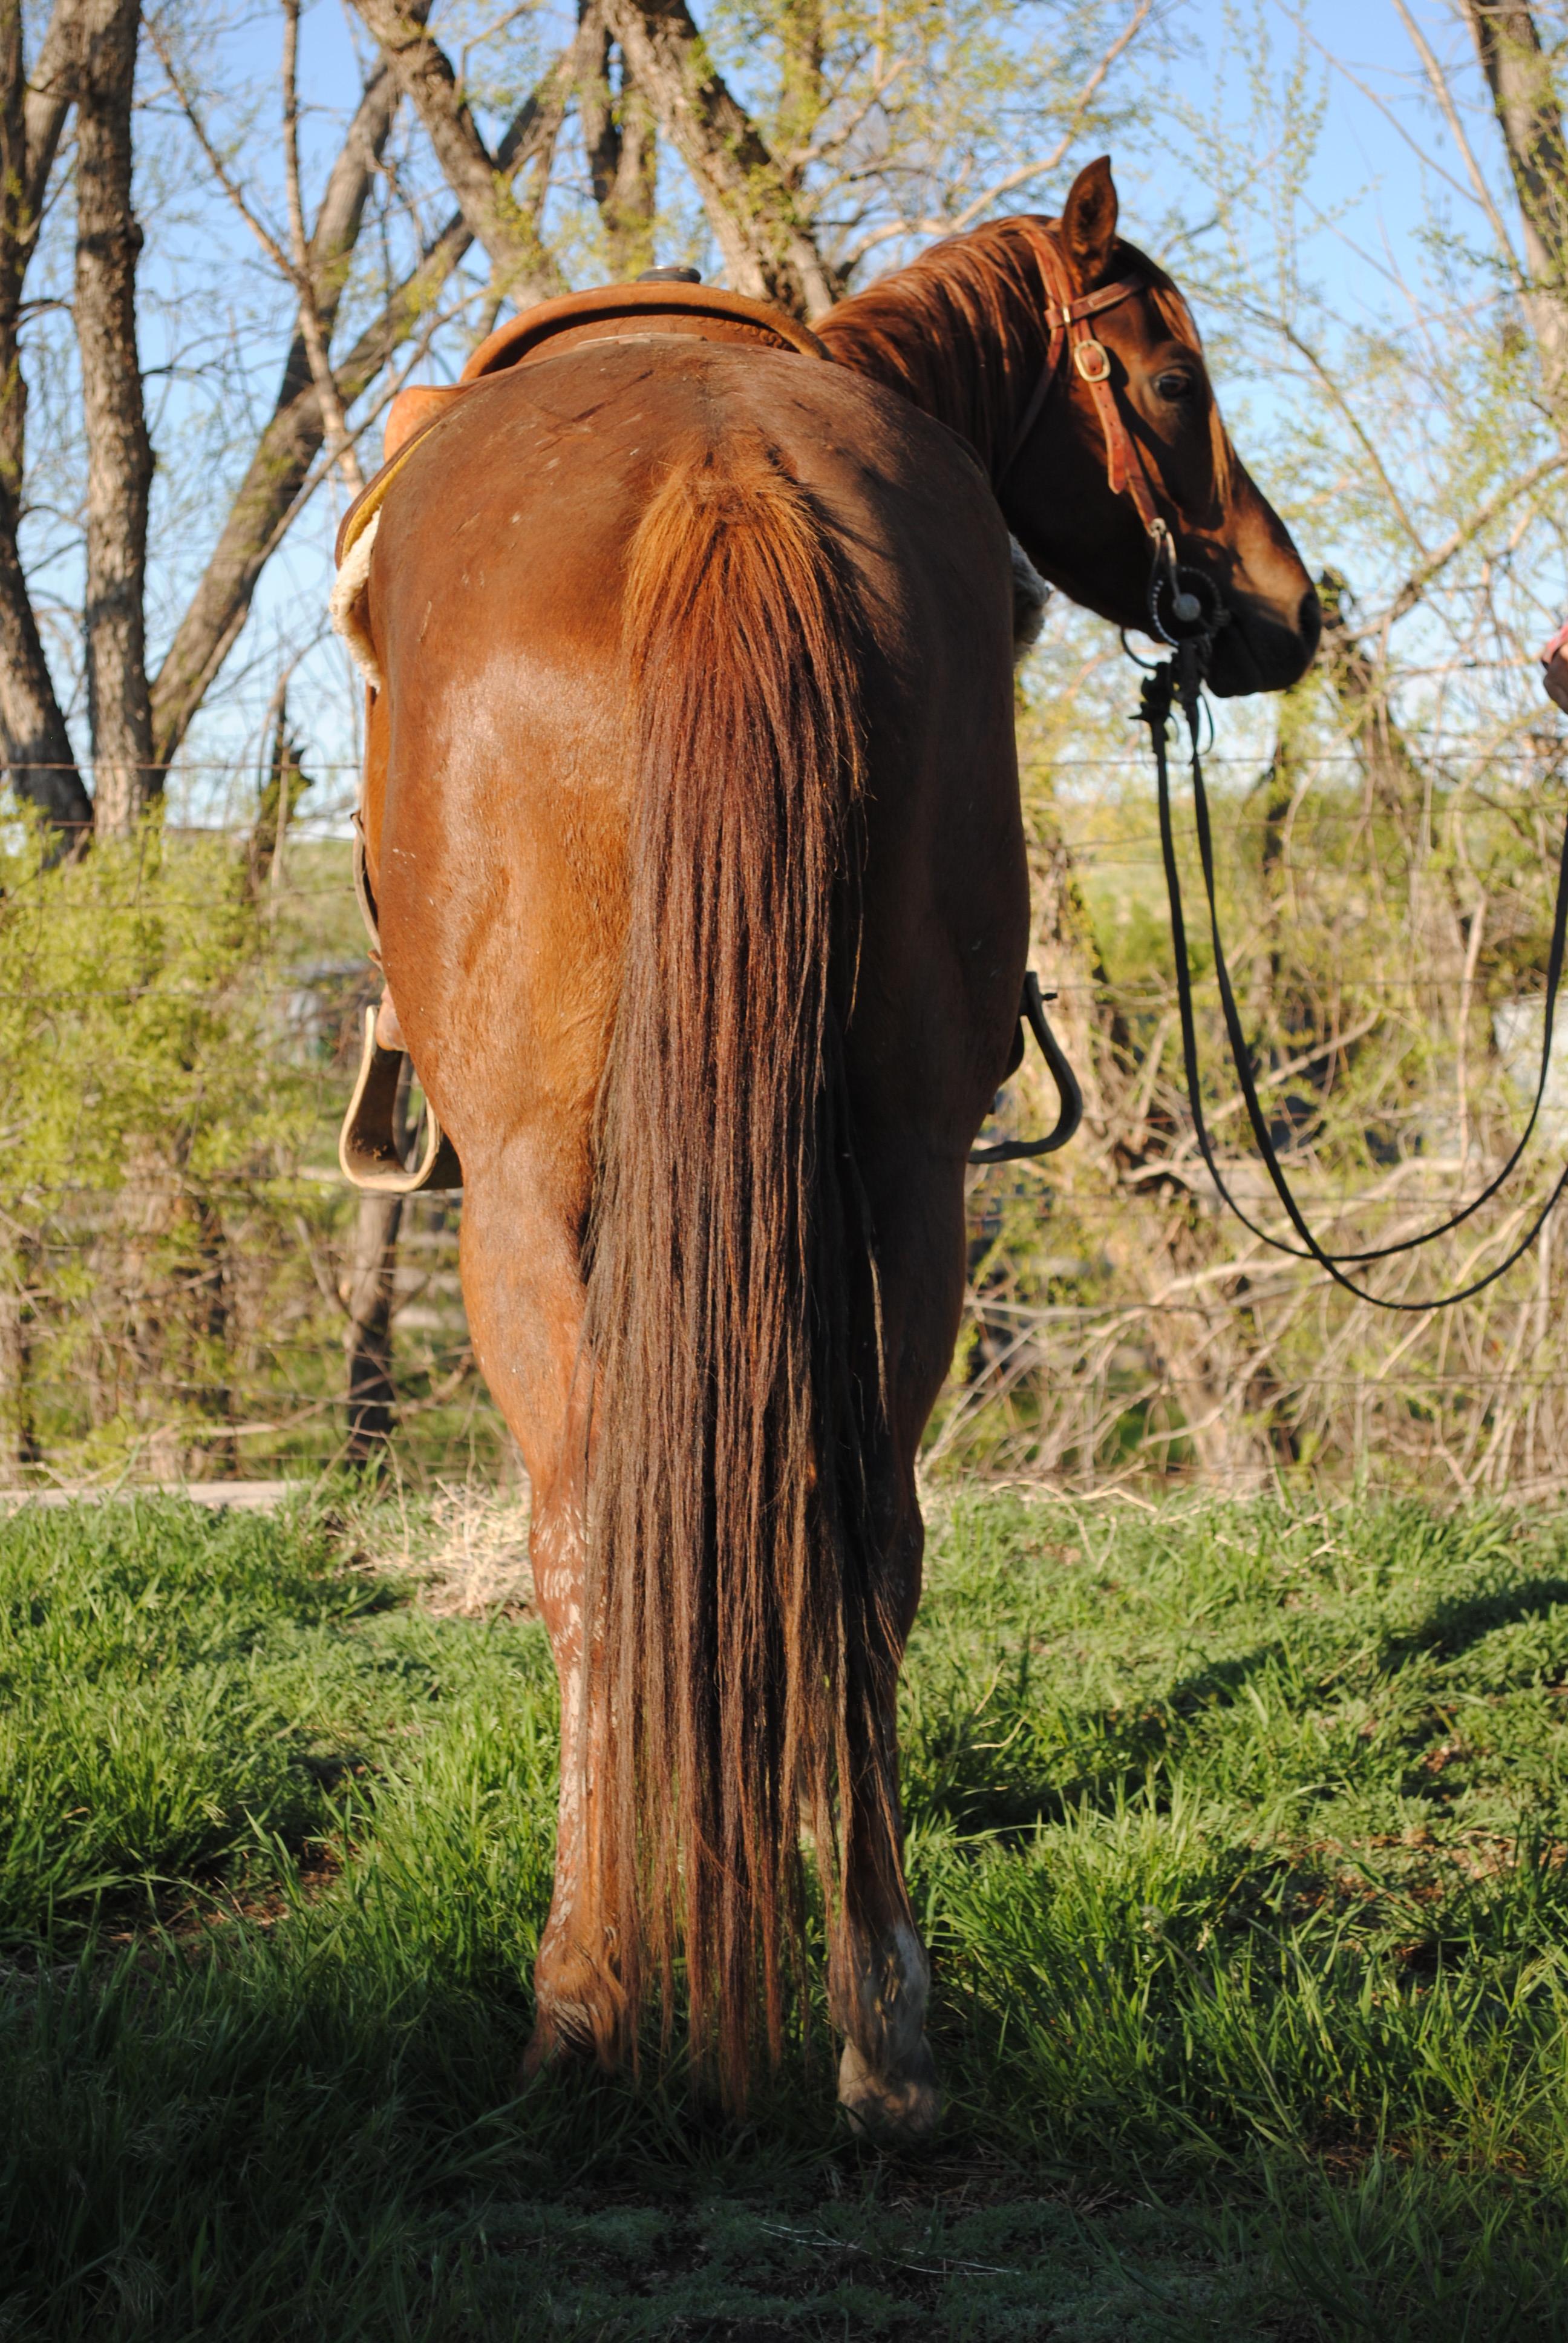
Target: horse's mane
x=962 y=331
x=935 y=330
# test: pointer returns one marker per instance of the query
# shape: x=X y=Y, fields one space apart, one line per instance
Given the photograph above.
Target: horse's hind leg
x=880 y=1977
x=524 y=1296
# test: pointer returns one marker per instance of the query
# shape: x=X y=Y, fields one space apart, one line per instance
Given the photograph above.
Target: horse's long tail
x=731 y=1320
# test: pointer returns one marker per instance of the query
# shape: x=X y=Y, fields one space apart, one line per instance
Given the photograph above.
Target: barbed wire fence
x=175 y=1250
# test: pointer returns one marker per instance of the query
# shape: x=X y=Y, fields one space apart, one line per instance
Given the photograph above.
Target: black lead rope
x=1162 y=690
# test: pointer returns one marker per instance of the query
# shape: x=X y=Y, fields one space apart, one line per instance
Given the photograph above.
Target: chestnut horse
x=692 y=813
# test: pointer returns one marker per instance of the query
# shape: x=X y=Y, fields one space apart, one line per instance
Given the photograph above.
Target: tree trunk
x=39 y=761
x=766 y=239
x=368 y=1290
x=207 y=1343
x=1530 y=116
x=342 y=212
x=18 y=1447
x=621 y=142
x=1358 y=678
x=119 y=452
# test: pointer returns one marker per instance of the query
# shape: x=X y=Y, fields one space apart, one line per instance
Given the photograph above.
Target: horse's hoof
x=893 y=2111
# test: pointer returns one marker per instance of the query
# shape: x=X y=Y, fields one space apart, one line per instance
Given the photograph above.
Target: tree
x=1524 y=96
x=119 y=452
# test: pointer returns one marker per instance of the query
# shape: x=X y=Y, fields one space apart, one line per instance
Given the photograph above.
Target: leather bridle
x=1183 y=605
x=1187 y=623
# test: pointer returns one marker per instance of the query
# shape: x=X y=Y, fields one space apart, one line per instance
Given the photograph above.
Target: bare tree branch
x=1437 y=81
x=339 y=445
x=270 y=493
x=832 y=134
x=1474 y=526
x=976 y=207
x=509 y=234
x=268 y=498
x=1080 y=105
x=49 y=99
x=768 y=248
x=1303 y=348
x=215 y=160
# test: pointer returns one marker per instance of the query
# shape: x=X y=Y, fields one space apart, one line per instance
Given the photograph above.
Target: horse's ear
x=1089 y=223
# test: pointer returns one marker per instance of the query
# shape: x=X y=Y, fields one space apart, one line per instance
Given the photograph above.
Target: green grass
x=1238 y=1835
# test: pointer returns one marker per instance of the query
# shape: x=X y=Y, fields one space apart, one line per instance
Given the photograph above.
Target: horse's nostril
x=1309 y=620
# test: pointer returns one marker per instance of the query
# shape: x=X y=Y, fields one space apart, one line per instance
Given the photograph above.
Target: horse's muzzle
x=1264 y=649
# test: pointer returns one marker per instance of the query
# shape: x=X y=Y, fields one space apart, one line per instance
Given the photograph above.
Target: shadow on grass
x=255 y=2148
x=1456 y=1622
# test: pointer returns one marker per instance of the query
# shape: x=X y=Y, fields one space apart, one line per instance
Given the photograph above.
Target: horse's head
x=1085 y=534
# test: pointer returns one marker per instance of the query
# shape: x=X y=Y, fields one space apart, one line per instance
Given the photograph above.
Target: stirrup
x=1069 y=1095
x=367 y=1152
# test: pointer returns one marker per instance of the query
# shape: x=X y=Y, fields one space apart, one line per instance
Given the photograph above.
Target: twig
x=339 y=445
x=1416 y=584
x=1023 y=171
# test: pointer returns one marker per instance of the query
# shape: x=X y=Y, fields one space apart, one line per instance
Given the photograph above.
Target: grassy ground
x=1238 y=1837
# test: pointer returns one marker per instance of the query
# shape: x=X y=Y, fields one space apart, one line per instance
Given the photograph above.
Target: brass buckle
x=1093 y=360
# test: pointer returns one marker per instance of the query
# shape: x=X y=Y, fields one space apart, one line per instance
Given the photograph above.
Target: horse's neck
x=961 y=333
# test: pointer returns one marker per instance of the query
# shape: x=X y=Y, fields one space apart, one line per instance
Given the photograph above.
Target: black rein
x=1179 y=680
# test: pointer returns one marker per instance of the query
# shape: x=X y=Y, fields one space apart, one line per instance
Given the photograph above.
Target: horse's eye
x=1175 y=384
